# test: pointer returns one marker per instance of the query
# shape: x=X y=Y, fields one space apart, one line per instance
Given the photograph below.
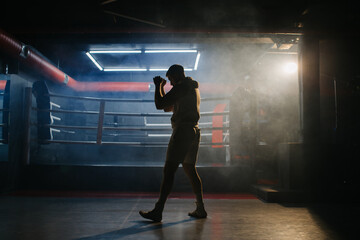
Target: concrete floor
x=50 y=218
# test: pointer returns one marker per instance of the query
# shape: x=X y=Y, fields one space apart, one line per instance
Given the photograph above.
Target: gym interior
x=82 y=145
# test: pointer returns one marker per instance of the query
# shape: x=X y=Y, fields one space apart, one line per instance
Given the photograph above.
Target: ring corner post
x=27 y=117
x=100 y=122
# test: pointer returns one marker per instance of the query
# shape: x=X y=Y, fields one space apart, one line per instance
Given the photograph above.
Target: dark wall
x=340 y=112
x=329 y=108
x=340 y=91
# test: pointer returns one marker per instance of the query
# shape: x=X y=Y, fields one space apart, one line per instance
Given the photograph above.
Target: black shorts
x=184 y=145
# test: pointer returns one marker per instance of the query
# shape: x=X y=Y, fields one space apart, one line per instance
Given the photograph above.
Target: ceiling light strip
x=94 y=61
x=115 y=51
x=171 y=51
x=158 y=69
x=125 y=69
x=139 y=51
x=197 y=61
x=145 y=51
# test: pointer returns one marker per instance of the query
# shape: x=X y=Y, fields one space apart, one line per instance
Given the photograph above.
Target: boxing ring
x=101 y=113
x=53 y=118
x=96 y=123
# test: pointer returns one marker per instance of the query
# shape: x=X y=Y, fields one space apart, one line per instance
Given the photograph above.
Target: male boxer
x=184 y=101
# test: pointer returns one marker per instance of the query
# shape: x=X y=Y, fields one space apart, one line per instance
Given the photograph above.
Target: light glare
x=290 y=67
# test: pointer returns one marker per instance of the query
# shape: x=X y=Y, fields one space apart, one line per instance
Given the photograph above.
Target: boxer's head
x=175 y=74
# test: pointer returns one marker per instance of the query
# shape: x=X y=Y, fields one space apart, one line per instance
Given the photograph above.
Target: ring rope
x=125 y=100
x=128 y=114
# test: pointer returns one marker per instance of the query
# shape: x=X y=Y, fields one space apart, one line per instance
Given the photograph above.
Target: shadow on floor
x=340 y=220
x=139 y=227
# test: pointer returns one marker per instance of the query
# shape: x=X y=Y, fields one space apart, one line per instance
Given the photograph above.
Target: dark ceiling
x=53 y=27
x=111 y=16
x=118 y=15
